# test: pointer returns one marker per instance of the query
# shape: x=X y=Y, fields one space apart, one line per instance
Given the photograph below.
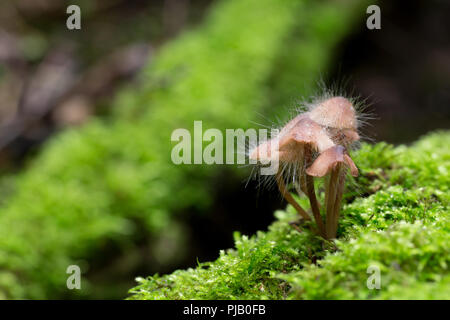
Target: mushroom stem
x=310 y=191
x=314 y=205
x=288 y=196
x=326 y=181
x=331 y=200
x=337 y=204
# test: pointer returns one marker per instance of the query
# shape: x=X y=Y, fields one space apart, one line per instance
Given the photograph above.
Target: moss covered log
x=113 y=178
x=396 y=218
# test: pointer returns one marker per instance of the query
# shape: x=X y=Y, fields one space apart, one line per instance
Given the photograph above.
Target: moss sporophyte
x=315 y=144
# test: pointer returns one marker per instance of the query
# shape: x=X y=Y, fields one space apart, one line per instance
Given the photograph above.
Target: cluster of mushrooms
x=315 y=144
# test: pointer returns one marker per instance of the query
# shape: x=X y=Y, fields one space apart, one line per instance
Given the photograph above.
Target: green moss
x=99 y=186
x=403 y=228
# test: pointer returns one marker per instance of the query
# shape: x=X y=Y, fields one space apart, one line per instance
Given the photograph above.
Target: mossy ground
x=396 y=217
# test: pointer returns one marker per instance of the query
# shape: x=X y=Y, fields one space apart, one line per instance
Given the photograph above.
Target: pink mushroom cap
x=327 y=161
x=335 y=112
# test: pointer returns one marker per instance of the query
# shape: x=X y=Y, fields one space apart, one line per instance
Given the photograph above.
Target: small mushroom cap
x=289 y=145
x=267 y=150
x=328 y=159
x=305 y=132
x=336 y=112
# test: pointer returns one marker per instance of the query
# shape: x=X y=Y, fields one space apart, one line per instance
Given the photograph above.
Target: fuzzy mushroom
x=290 y=143
x=315 y=144
x=338 y=115
x=298 y=140
x=303 y=139
x=304 y=134
x=335 y=112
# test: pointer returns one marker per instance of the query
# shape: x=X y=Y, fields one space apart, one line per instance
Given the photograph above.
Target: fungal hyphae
x=315 y=144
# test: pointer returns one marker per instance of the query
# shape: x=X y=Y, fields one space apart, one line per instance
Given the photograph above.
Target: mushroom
x=315 y=144
x=332 y=161
x=290 y=144
x=338 y=115
x=329 y=128
x=295 y=144
x=335 y=112
x=269 y=149
x=298 y=145
x=303 y=135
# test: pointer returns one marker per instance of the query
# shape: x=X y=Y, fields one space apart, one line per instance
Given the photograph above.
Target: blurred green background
x=86 y=118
